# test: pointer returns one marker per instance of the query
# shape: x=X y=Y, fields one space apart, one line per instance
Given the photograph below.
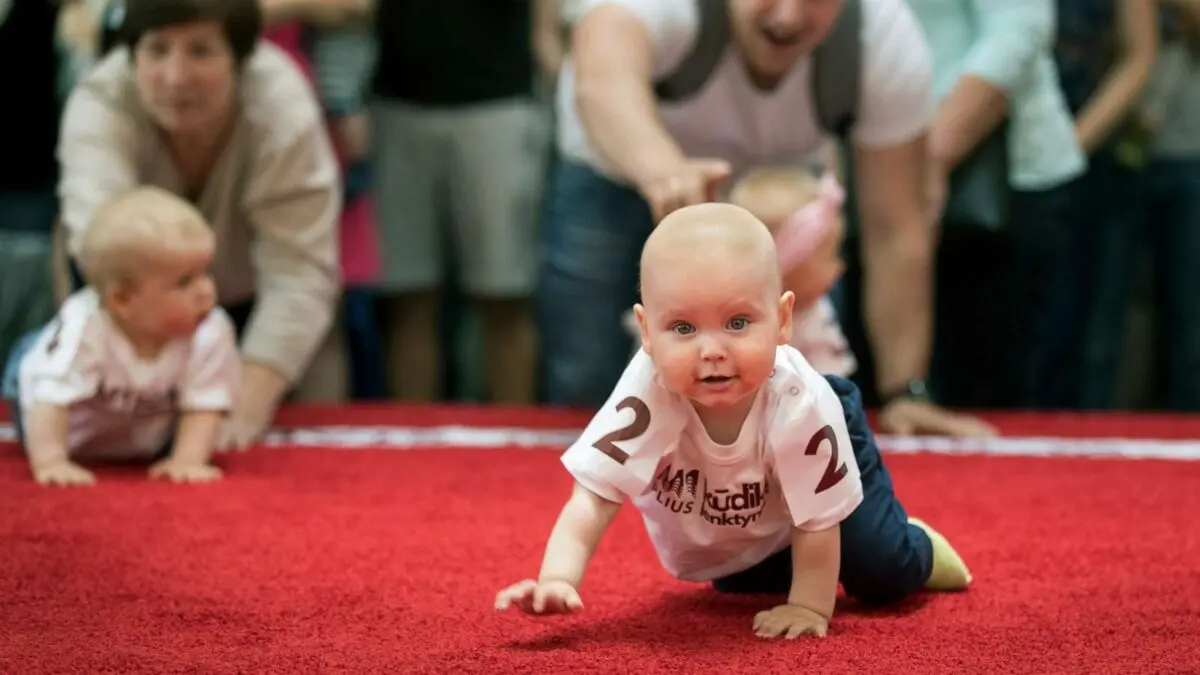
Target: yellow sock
x=949 y=573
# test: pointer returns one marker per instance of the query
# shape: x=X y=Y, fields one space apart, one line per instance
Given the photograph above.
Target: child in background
x=751 y=470
x=333 y=42
x=803 y=214
x=343 y=58
x=139 y=356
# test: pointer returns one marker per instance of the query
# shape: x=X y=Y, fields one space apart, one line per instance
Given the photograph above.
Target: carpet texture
x=311 y=560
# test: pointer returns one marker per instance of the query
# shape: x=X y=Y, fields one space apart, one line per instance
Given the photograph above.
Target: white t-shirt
x=712 y=510
x=815 y=332
x=732 y=120
x=120 y=405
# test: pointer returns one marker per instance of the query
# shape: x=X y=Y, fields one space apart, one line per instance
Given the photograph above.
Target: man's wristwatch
x=913 y=390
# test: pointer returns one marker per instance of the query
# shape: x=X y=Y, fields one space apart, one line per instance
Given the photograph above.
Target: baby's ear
x=639 y=314
x=787 y=305
x=838 y=231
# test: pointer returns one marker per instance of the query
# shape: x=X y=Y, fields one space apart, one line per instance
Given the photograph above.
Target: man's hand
x=354 y=134
x=693 y=181
x=178 y=471
x=547 y=597
x=790 y=621
x=63 y=473
x=905 y=417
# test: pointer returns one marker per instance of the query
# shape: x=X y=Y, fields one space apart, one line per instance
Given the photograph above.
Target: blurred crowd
x=384 y=199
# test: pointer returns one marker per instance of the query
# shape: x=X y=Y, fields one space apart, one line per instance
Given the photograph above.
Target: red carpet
x=309 y=560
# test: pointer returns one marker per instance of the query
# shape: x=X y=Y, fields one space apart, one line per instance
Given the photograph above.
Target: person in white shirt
x=135 y=359
x=643 y=130
x=750 y=469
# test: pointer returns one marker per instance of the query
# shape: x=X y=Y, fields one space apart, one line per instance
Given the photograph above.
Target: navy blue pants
x=884 y=559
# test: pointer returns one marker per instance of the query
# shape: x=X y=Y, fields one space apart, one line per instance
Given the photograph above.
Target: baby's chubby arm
x=195 y=440
x=582 y=523
x=816 y=559
x=208 y=392
x=46 y=444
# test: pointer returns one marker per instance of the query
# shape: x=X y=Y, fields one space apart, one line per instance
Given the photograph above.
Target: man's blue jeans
x=1173 y=225
x=26 y=267
x=1157 y=211
x=593 y=233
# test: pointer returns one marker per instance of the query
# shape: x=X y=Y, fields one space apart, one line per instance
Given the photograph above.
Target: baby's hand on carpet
x=63 y=473
x=790 y=621
x=547 y=597
x=181 y=472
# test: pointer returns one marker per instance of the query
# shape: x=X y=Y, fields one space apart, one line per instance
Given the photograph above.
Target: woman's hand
x=262 y=390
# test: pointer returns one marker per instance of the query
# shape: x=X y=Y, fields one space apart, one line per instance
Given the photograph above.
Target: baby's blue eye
x=739 y=323
x=683 y=328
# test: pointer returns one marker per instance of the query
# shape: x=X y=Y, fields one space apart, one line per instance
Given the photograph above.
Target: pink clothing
x=807 y=228
x=818 y=335
x=359 y=241
x=290 y=38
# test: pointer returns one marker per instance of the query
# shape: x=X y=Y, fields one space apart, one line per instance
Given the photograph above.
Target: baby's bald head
x=698 y=241
x=713 y=304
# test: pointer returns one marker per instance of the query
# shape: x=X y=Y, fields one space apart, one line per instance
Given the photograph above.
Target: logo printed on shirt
x=734 y=507
x=136 y=403
x=676 y=490
x=670 y=487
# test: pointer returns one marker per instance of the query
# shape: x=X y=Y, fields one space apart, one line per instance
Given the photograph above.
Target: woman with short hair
x=194 y=101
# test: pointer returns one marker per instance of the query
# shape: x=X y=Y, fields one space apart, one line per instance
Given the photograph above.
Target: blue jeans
x=1173 y=225
x=593 y=233
x=884 y=558
x=357 y=180
x=1123 y=213
x=1088 y=301
x=28 y=211
x=10 y=389
x=26 y=277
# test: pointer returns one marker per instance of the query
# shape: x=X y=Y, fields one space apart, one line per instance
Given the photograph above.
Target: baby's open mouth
x=716 y=379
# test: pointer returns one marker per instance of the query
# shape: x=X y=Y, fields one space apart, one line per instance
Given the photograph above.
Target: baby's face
x=173 y=297
x=712 y=324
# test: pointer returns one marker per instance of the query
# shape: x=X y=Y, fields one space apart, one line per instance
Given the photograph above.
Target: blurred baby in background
x=140 y=364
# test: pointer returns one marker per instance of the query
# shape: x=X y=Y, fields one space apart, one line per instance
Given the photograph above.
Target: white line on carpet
x=407 y=438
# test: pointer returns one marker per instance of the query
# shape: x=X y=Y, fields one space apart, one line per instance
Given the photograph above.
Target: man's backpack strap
x=836 y=69
x=837 y=72
x=711 y=42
